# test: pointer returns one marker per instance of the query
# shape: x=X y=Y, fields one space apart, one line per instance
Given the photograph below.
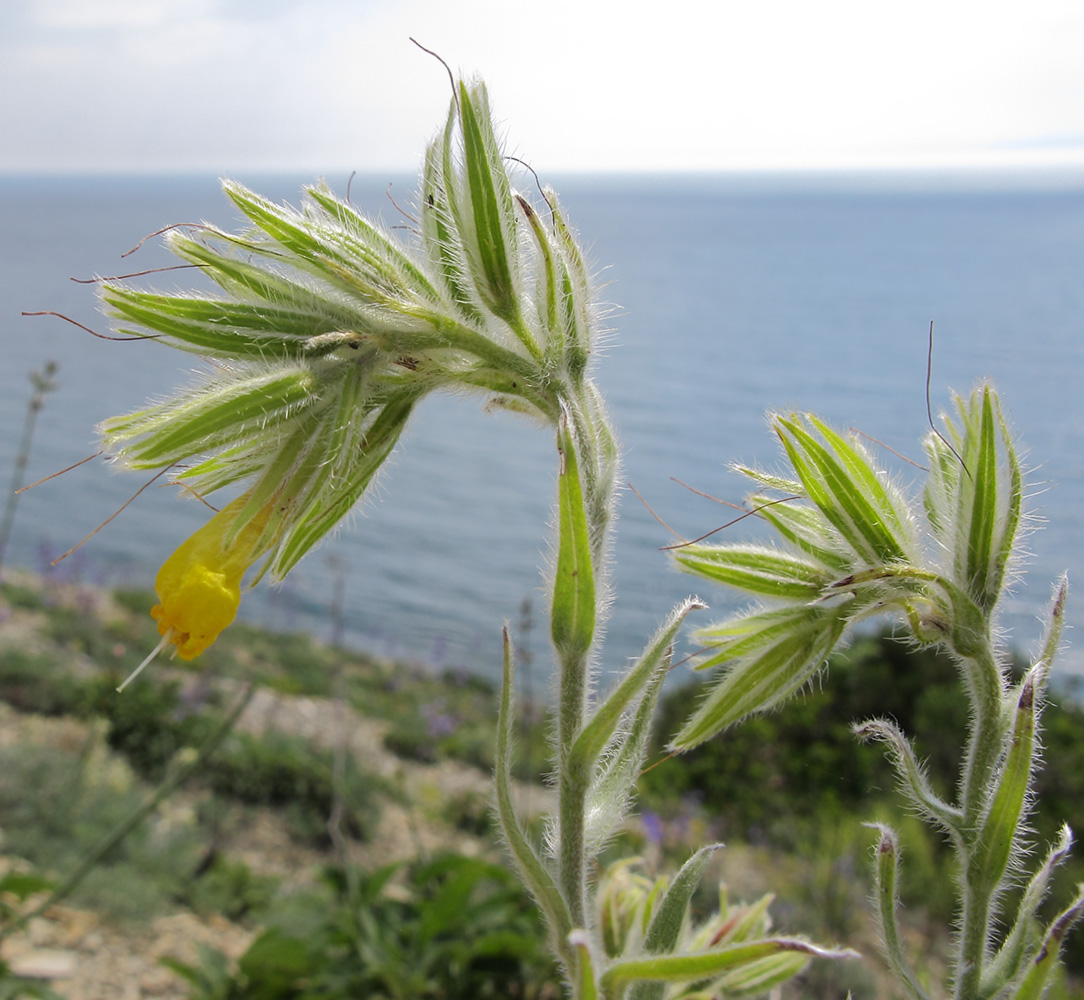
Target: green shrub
x=59 y=804
x=282 y=771
x=151 y=721
x=34 y=682
x=229 y=888
x=18 y=595
x=409 y=740
x=456 y=929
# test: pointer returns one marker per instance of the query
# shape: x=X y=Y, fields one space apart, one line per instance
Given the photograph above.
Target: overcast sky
x=335 y=85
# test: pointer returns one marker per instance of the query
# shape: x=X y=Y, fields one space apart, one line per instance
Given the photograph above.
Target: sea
x=728 y=296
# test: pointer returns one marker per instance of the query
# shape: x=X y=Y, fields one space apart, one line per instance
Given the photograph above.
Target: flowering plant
x=853 y=546
x=326 y=335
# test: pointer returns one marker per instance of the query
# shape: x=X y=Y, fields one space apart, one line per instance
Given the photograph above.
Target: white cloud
x=334 y=84
x=126 y=15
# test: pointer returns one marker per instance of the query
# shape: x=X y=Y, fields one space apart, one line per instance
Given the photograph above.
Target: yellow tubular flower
x=199 y=586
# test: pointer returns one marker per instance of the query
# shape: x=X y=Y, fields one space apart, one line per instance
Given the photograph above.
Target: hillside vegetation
x=339 y=841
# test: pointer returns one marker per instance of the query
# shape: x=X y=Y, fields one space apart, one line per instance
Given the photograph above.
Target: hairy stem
x=985 y=687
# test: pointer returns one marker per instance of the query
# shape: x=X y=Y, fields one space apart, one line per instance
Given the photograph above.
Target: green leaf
x=752 y=633
x=1020 y=942
x=886 y=871
x=586 y=985
x=21 y=885
x=256 y=282
x=807 y=529
x=671 y=915
x=547 y=294
x=787 y=648
x=982 y=523
x=1003 y=820
x=974 y=494
x=913 y=780
x=369 y=242
x=1011 y=503
x=489 y=235
x=233 y=407
x=708 y=964
x=613 y=785
x=770 y=481
x=219 y=327
x=356 y=469
x=275 y=965
x=596 y=734
x=534 y=873
x=443 y=240
x=574 y=293
x=365 y=269
x=1038 y=977
x=756 y=569
x=848 y=491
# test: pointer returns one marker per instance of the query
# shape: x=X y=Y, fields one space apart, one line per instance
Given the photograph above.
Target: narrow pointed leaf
x=872 y=483
x=708 y=964
x=671 y=915
x=1043 y=966
x=586 y=982
x=914 y=780
x=1009 y=961
x=1005 y=816
x=357 y=473
x=806 y=528
x=574 y=294
x=770 y=481
x=548 y=284
x=532 y=870
x=227 y=410
x=756 y=569
x=440 y=236
x=219 y=327
x=766 y=678
x=982 y=523
x=886 y=871
x=1009 y=520
x=604 y=720
x=837 y=478
x=373 y=242
x=491 y=220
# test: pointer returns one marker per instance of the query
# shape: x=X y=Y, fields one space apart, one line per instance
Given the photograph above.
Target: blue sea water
x=730 y=296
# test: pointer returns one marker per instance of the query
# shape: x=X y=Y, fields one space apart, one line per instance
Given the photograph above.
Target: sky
x=579 y=85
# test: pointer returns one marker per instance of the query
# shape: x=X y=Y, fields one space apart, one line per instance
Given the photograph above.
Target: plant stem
x=985 y=686
x=42 y=382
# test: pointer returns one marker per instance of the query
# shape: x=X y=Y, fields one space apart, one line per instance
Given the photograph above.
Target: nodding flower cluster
x=327 y=333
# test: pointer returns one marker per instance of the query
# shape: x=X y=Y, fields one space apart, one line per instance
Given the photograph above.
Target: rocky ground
x=85 y=959
x=82 y=957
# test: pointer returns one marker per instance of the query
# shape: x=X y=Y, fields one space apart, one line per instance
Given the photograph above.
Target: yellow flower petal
x=199 y=586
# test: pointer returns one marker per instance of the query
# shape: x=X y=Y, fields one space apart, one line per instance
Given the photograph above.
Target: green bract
x=973 y=495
